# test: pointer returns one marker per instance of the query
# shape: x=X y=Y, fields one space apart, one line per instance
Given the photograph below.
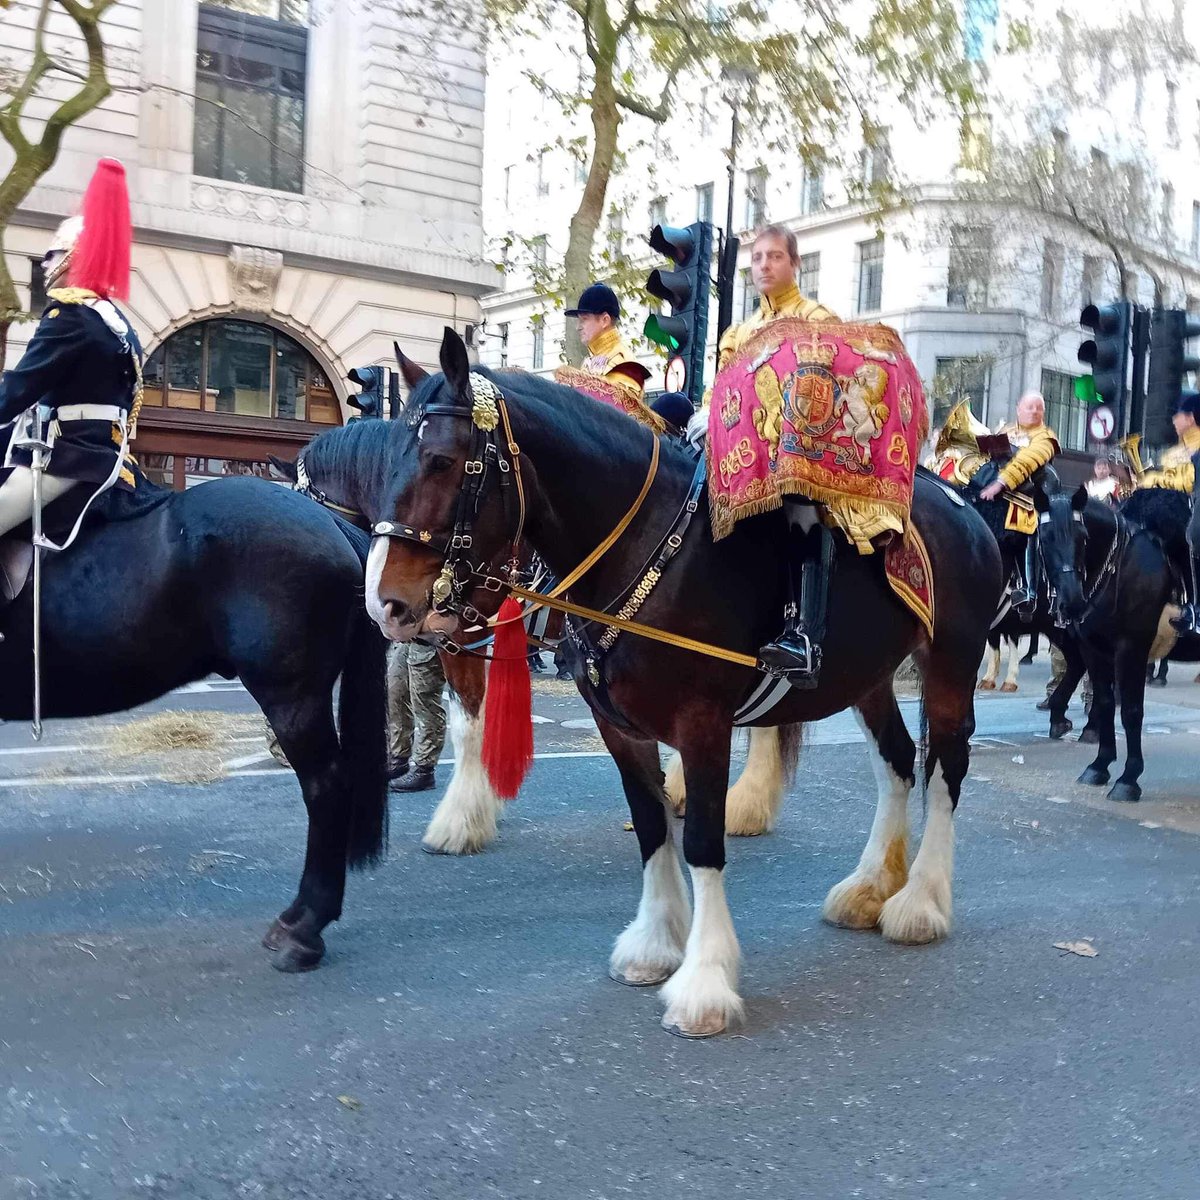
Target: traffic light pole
x=1135 y=420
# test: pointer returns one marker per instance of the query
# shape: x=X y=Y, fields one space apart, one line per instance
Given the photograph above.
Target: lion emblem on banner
x=833 y=412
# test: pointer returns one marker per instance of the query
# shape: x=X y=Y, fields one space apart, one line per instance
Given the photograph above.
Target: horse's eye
x=440 y=462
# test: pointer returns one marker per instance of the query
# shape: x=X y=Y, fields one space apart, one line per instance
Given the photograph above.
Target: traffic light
x=1107 y=353
x=686 y=289
x=373 y=381
x=1170 y=331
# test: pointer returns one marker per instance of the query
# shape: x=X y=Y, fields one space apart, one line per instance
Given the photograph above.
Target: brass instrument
x=1129 y=447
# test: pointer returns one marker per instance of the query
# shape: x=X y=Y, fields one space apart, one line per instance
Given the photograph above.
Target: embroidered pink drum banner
x=830 y=411
x=607 y=392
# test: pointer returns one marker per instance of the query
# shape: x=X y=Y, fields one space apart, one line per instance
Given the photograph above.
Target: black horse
x=240 y=577
x=1111 y=580
x=580 y=465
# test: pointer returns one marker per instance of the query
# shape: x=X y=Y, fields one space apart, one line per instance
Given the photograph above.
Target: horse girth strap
x=635 y=627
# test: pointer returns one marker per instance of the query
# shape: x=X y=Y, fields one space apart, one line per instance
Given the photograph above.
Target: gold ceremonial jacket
x=1176 y=471
x=789 y=303
x=611 y=358
x=1035 y=446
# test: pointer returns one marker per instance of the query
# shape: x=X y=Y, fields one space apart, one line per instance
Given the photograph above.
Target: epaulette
x=72 y=295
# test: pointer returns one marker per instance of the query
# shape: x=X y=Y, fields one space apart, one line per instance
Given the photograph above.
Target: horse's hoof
x=294 y=956
x=1089 y=737
x=1129 y=793
x=1093 y=776
x=1059 y=729
x=1008 y=687
x=986 y=685
x=710 y=1025
x=1156 y=682
x=276 y=937
x=639 y=977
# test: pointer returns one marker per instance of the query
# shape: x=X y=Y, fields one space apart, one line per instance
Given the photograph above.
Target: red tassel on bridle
x=100 y=260
x=508 y=705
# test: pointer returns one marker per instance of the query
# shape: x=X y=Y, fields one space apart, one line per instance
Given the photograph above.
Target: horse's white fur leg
x=701 y=997
x=673 y=784
x=753 y=803
x=465 y=821
x=882 y=869
x=921 y=911
x=650 y=948
x=1014 y=666
x=993 y=669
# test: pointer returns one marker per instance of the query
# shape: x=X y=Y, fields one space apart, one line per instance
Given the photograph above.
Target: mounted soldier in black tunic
x=83 y=367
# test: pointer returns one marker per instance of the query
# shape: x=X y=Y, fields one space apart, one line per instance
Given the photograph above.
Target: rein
x=304 y=486
x=488 y=411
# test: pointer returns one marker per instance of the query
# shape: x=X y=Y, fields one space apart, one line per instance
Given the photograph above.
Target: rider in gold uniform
x=796 y=653
x=1177 y=472
x=596 y=316
x=1035 y=447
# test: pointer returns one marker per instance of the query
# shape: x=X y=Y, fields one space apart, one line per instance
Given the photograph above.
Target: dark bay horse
x=1111 y=580
x=238 y=577
x=581 y=464
x=342 y=466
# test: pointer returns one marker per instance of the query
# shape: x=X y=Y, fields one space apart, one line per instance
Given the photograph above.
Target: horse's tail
x=791 y=739
x=362 y=722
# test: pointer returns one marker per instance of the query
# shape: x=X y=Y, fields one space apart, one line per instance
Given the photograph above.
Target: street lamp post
x=738 y=78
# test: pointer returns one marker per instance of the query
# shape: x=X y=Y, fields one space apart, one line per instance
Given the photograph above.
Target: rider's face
x=771 y=266
x=1183 y=422
x=592 y=325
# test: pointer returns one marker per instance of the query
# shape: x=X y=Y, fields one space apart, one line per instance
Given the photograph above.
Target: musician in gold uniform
x=1035 y=447
x=796 y=653
x=596 y=317
x=1177 y=471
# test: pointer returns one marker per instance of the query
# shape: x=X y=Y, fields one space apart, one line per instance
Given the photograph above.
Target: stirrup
x=799 y=664
x=1188 y=620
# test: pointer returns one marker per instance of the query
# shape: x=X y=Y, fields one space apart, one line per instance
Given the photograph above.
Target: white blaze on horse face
x=376 y=609
x=882 y=869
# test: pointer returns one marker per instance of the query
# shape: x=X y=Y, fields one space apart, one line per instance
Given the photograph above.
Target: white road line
x=7 y=750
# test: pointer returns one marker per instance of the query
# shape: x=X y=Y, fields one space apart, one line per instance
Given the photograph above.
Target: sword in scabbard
x=35 y=442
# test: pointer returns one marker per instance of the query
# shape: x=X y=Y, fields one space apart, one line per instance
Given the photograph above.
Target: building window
x=37 y=285
x=503 y=343
x=704 y=202
x=756 y=198
x=876 y=159
x=1131 y=285
x=970 y=267
x=1092 y=280
x=539 y=346
x=1193 y=306
x=706 y=116
x=870 y=275
x=810 y=274
x=749 y=295
x=1060 y=153
x=812 y=189
x=1196 y=228
x=250 y=87
x=1167 y=217
x=1172 y=114
x=1052 y=271
x=538 y=246
x=242 y=368
x=543 y=186
x=658 y=211
x=1065 y=414
x=959 y=379
x=581 y=171
x=507 y=185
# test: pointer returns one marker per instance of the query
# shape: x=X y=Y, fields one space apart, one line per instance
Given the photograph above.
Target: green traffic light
x=658 y=335
x=1085 y=389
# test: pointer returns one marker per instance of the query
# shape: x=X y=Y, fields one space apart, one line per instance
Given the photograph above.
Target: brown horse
x=341 y=465
x=579 y=465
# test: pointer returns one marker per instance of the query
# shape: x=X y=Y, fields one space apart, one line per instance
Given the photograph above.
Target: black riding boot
x=796 y=653
x=1024 y=597
x=1188 y=620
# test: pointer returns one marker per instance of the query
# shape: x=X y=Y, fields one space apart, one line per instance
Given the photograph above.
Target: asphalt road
x=462 y=1039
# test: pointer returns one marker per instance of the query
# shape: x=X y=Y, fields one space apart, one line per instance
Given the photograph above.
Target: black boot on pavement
x=418 y=778
x=397 y=768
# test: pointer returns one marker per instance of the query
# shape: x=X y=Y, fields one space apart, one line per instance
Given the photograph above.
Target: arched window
x=241 y=368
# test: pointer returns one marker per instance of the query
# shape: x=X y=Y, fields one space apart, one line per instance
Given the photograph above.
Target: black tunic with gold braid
x=84 y=355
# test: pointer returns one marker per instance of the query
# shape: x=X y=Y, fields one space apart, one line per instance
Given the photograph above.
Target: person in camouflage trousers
x=416 y=715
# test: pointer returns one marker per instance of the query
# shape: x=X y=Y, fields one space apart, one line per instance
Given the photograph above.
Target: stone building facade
x=306 y=184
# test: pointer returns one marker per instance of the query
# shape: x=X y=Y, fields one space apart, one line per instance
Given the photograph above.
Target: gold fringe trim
x=913 y=600
x=1020 y=520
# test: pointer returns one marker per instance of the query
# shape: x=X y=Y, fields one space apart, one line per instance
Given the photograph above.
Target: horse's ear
x=456 y=366
x=1041 y=502
x=411 y=373
x=285 y=468
x=1079 y=499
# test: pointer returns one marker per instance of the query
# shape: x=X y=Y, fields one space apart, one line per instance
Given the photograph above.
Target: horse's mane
x=348 y=457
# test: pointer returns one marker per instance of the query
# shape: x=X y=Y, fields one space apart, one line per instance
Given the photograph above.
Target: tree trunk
x=606 y=121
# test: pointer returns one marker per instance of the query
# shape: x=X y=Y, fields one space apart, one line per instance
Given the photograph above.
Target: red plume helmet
x=100 y=261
